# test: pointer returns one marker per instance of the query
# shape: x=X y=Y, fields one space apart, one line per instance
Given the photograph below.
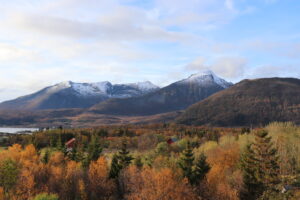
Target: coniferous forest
x=157 y=161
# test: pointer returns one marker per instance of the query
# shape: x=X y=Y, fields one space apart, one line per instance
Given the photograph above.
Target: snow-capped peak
x=143 y=86
x=59 y=86
x=64 y=84
x=104 y=88
x=207 y=76
x=99 y=88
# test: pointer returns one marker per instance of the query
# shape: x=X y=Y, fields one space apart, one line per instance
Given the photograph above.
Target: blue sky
x=43 y=42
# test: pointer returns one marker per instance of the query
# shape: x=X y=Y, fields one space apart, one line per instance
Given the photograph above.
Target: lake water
x=13 y=130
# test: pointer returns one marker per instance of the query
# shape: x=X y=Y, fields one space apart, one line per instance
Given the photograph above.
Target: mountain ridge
x=69 y=94
x=249 y=102
x=176 y=96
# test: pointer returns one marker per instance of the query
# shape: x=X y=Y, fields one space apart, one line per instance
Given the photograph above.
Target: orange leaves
x=99 y=184
x=57 y=159
x=223 y=161
x=29 y=154
x=26 y=184
x=154 y=184
x=98 y=169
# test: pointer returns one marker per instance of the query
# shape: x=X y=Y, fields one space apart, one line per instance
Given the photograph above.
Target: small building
x=70 y=144
x=171 y=140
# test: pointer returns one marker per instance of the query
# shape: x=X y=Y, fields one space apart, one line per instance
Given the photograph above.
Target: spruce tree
x=253 y=188
x=120 y=161
x=267 y=159
x=200 y=170
x=115 y=167
x=94 y=149
x=124 y=157
x=186 y=162
x=260 y=168
x=46 y=156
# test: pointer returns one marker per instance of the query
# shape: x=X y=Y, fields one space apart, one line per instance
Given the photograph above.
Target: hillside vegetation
x=250 y=102
x=158 y=161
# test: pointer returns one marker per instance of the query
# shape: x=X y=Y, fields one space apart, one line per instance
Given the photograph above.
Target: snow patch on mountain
x=144 y=86
x=105 y=88
x=92 y=89
x=207 y=77
x=59 y=86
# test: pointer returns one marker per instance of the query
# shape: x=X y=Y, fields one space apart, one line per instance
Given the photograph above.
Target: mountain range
x=77 y=95
x=200 y=99
x=176 y=96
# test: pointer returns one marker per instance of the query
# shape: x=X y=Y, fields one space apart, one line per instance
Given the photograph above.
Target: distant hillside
x=250 y=102
x=77 y=95
x=176 y=96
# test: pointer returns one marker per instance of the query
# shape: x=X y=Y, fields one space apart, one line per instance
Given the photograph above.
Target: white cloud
x=231 y=67
x=44 y=42
x=12 y=53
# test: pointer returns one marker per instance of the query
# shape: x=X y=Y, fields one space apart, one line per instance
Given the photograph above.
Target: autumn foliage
x=137 y=163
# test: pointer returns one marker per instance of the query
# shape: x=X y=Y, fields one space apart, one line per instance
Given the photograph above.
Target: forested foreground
x=153 y=162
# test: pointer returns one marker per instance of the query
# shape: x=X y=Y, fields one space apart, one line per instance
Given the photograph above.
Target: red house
x=70 y=144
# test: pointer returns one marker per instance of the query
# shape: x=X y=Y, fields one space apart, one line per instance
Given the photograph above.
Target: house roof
x=70 y=141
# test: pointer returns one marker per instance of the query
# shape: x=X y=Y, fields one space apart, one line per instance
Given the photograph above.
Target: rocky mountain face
x=250 y=102
x=77 y=95
x=176 y=96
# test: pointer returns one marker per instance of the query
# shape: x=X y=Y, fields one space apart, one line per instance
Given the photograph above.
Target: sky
x=43 y=42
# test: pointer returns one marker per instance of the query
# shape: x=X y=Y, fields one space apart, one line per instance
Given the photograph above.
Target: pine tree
x=124 y=157
x=260 y=168
x=120 y=161
x=200 y=170
x=186 y=162
x=46 y=156
x=252 y=187
x=94 y=149
x=267 y=159
x=115 y=167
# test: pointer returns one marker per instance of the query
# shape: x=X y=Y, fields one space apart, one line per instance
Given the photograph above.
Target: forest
x=152 y=162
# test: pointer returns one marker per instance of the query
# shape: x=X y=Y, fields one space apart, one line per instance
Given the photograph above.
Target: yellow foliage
x=223 y=161
x=57 y=159
x=100 y=185
x=29 y=154
x=154 y=184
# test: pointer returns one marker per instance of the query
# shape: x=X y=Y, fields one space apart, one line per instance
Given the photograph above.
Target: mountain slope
x=176 y=96
x=77 y=95
x=250 y=102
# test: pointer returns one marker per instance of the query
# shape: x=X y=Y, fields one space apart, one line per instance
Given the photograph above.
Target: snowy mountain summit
x=207 y=77
x=69 y=94
x=105 y=88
